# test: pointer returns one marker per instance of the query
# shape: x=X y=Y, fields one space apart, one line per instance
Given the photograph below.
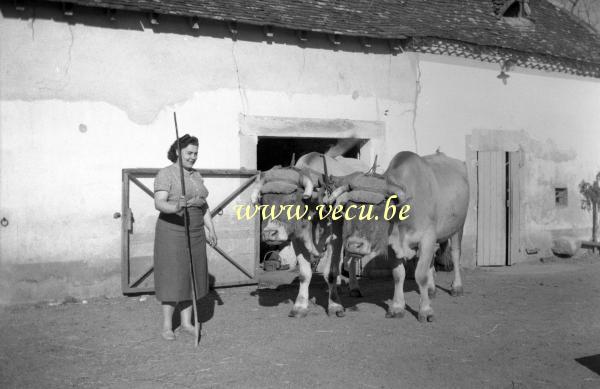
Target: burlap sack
x=368 y=183
x=367 y=197
x=278 y=187
x=286 y=175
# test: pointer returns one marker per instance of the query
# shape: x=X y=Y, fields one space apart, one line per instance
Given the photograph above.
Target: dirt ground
x=534 y=325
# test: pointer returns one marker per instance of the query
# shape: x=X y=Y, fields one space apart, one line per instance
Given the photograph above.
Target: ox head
x=287 y=189
x=365 y=231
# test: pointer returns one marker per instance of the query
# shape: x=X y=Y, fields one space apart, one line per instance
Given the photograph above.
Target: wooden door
x=491 y=208
x=514 y=209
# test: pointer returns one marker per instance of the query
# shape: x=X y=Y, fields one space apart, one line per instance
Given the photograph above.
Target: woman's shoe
x=167 y=335
x=189 y=331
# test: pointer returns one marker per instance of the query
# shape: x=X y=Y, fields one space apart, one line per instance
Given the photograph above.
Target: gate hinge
x=130 y=220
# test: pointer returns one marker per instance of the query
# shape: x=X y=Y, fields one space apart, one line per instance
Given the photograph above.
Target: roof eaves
x=493 y=37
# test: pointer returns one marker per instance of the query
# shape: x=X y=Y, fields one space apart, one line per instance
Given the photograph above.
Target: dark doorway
x=273 y=151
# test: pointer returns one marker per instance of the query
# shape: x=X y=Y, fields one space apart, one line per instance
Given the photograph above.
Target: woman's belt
x=194 y=213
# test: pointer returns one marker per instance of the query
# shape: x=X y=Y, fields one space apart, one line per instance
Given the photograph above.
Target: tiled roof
x=548 y=30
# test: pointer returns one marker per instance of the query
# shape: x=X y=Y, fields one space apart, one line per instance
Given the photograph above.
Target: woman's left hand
x=212 y=238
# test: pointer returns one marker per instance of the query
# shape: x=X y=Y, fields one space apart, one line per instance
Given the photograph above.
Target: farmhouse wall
x=552 y=118
x=83 y=98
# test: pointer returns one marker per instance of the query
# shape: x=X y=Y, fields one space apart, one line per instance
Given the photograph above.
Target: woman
x=171 y=258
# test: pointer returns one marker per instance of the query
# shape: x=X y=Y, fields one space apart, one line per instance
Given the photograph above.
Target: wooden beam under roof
x=153 y=17
x=232 y=25
x=20 y=5
x=194 y=22
x=302 y=35
x=111 y=14
x=68 y=9
x=335 y=39
x=269 y=33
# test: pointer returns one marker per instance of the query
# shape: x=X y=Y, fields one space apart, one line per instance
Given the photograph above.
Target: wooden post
x=594 y=222
x=594 y=229
x=595 y=213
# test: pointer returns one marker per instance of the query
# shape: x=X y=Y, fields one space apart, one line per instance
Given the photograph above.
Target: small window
x=561 y=198
x=511 y=8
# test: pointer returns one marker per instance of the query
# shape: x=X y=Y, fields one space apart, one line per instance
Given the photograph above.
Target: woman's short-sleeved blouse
x=168 y=179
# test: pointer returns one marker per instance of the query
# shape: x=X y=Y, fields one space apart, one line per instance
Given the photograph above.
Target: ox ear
x=255 y=196
x=402 y=197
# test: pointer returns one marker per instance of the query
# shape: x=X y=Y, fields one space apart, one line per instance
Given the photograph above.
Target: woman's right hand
x=196 y=201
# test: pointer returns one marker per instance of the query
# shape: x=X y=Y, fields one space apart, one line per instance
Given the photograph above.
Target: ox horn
x=255 y=194
x=342 y=199
x=336 y=193
x=308 y=187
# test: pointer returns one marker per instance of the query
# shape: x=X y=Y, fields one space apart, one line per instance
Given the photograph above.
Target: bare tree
x=591 y=202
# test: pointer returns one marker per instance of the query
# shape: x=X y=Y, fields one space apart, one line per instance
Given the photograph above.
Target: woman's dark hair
x=185 y=141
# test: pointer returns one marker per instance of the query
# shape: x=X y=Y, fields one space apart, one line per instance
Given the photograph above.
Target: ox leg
x=300 y=308
x=354 y=287
x=422 y=275
x=457 y=286
x=332 y=275
x=431 y=290
x=333 y=304
x=396 y=310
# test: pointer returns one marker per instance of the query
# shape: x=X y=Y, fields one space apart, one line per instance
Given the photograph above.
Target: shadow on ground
x=592 y=362
x=281 y=287
x=206 y=305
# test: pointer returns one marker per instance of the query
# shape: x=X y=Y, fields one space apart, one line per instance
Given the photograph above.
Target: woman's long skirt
x=171 y=259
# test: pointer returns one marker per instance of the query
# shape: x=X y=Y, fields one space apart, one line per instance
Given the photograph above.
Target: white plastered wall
x=554 y=119
x=82 y=100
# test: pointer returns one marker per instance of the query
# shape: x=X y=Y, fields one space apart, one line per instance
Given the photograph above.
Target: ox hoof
x=355 y=293
x=394 y=314
x=426 y=316
x=457 y=291
x=432 y=293
x=298 y=312
x=336 y=310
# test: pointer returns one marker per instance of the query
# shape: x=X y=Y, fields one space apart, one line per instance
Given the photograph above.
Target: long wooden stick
x=188 y=240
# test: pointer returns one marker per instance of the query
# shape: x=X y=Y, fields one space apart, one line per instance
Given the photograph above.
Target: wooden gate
x=137 y=232
x=498 y=231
